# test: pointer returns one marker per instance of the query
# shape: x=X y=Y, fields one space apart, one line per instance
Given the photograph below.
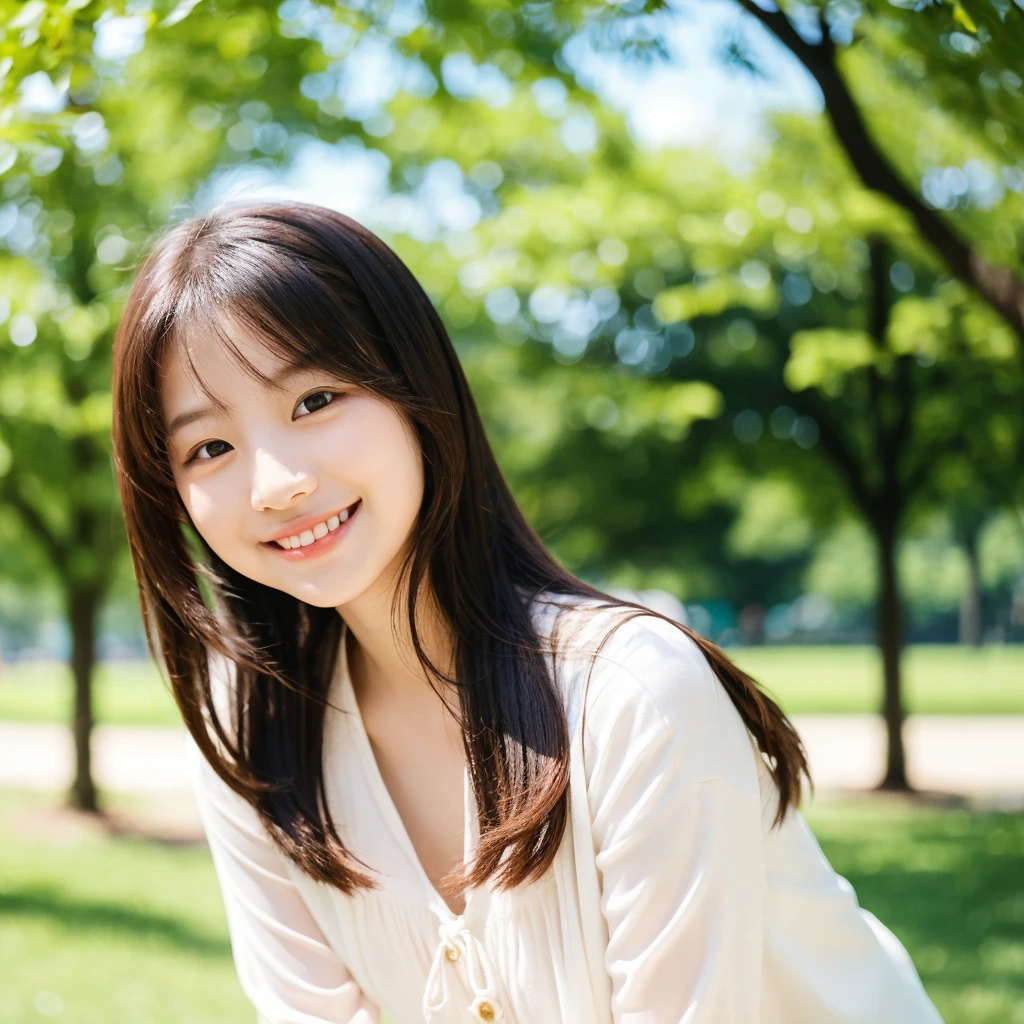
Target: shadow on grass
x=53 y=818
x=75 y=915
x=121 y=826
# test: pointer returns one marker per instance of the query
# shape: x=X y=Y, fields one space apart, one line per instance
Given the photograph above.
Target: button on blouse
x=457 y=943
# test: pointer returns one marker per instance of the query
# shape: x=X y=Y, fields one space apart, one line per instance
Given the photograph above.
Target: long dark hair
x=322 y=291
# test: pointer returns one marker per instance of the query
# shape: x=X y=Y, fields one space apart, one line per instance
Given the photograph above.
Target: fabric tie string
x=455 y=935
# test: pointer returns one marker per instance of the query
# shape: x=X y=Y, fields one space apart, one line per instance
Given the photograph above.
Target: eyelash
x=193 y=457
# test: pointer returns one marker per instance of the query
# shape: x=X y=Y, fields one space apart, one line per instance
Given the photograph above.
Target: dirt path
x=979 y=757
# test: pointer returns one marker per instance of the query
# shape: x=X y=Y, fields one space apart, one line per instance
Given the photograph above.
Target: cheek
x=200 y=504
x=392 y=468
x=209 y=517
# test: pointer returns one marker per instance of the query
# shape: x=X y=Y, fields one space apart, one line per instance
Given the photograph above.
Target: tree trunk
x=890 y=642
x=83 y=609
x=970 y=601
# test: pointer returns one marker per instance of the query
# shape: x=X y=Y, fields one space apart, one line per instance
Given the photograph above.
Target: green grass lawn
x=94 y=930
x=102 y=930
x=939 y=680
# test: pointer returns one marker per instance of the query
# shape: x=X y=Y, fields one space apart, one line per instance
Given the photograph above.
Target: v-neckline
x=386 y=803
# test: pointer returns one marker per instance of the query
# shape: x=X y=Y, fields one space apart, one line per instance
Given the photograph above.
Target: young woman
x=440 y=776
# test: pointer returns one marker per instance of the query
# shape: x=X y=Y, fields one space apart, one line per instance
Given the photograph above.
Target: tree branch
x=33 y=519
x=998 y=286
x=835 y=445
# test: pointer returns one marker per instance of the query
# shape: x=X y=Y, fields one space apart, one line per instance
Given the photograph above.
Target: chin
x=328 y=597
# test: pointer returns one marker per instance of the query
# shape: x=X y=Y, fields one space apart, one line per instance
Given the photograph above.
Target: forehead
x=208 y=367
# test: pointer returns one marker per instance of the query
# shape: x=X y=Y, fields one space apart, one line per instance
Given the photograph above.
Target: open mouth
x=331 y=530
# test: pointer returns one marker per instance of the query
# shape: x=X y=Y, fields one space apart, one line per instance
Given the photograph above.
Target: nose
x=274 y=485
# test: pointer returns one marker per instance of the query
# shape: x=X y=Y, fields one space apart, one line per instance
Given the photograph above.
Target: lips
x=300 y=526
x=320 y=545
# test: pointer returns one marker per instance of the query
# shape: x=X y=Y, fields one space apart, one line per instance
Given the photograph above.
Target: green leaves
x=823 y=358
x=712 y=298
x=920 y=326
x=610 y=301
x=962 y=18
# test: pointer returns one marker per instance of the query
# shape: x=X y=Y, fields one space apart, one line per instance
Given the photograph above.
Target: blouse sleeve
x=285 y=965
x=676 y=819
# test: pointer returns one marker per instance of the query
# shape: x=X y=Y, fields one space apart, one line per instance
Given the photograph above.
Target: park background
x=740 y=292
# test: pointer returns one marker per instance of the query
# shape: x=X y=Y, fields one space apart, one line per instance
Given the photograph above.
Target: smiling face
x=274 y=462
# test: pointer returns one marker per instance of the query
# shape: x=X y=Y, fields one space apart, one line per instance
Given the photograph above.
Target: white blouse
x=670 y=901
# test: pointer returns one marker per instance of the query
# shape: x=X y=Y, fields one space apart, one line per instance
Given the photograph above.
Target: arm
x=285 y=966
x=676 y=813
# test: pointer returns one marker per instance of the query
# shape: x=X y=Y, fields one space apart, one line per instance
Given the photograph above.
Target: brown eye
x=319 y=405
x=194 y=457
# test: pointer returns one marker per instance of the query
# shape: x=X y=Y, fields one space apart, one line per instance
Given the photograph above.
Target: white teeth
x=320 y=530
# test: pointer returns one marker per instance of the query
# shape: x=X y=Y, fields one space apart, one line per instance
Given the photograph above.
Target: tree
x=88 y=184
x=936 y=50
x=55 y=422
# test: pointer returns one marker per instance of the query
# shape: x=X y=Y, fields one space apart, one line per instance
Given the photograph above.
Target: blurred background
x=740 y=291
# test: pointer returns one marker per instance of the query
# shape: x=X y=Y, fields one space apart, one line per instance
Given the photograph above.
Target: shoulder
x=653 y=697
x=643 y=657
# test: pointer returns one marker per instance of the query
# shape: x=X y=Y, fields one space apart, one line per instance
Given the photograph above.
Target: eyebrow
x=183 y=419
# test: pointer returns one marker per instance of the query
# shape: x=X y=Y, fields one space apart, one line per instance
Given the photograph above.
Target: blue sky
x=693 y=99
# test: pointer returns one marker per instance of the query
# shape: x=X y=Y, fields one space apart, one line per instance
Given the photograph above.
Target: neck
x=383 y=665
